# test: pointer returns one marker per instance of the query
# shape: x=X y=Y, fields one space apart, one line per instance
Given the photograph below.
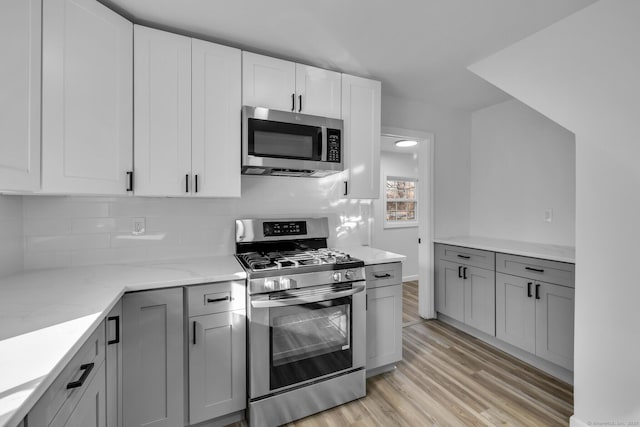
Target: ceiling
x=419 y=49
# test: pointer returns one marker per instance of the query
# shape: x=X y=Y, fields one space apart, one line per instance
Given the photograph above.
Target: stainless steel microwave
x=283 y=143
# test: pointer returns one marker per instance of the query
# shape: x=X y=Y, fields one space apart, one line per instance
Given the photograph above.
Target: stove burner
x=295 y=258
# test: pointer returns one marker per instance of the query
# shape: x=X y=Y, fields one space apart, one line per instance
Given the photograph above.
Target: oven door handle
x=305 y=300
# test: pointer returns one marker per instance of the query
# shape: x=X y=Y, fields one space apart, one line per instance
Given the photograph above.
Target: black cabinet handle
x=537 y=270
x=537 y=291
x=116 y=340
x=87 y=368
x=346 y=187
x=293 y=102
x=130 y=180
x=381 y=276
x=464 y=273
x=464 y=256
x=210 y=300
x=186 y=181
x=194 y=332
x=529 y=289
x=459 y=272
x=299 y=103
x=196 y=183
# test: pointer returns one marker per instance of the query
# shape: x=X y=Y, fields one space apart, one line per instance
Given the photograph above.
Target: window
x=401 y=202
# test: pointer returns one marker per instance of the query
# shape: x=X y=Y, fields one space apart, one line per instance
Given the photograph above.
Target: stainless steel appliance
x=306 y=313
x=283 y=143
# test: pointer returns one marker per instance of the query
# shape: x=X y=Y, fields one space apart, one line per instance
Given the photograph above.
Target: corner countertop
x=534 y=250
x=372 y=256
x=46 y=315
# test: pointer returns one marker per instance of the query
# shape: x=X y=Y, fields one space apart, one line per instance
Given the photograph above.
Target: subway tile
x=39 y=260
x=127 y=240
x=47 y=226
x=66 y=243
x=93 y=225
x=63 y=207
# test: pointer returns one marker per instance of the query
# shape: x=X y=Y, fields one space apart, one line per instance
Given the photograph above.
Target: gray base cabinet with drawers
x=525 y=302
x=465 y=286
x=113 y=366
x=384 y=316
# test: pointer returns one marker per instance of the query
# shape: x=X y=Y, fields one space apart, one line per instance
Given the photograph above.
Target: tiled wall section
x=70 y=231
x=11 y=246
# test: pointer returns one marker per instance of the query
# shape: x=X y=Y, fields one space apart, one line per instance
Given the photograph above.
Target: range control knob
x=350 y=274
x=270 y=284
x=336 y=276
x=285 y=283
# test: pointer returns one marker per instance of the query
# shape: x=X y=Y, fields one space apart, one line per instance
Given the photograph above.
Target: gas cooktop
x=280 y=260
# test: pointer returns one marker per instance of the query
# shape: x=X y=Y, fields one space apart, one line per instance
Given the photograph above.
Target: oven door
x=303 y=335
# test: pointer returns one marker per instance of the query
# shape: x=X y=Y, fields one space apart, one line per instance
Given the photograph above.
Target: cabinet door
x=113 y=365
x=480 y=299
x=384 y=326
x=515 y=311
x=216 y=95
x=554 y=324
x=162 y=92
x=90 y=410
x=217 y=365
x=20 y=44
x=152 y=359
x=361 y=115
x=450 y=290
x=86 y=98
x=318 y=91
x=268 y=82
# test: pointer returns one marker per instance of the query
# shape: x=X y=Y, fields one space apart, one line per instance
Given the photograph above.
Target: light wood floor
x=410 y=302
x=448 y=378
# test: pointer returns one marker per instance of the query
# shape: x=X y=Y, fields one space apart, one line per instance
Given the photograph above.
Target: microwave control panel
x=333 y=146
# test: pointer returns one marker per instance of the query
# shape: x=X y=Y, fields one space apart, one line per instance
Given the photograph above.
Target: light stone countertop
x=372 y=256
x=534 y=250
x=46 y=315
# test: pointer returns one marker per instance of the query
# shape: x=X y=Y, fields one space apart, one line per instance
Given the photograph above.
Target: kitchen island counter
x=46 y=315
x=372 y=256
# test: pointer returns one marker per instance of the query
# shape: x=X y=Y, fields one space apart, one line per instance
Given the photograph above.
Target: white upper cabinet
x=216 y=97
x=87 y=115
x=318 y=91
x=20 y=38
x=162 y=84
x=187 y=116
x=287 y=86
x=268 y=82
x=361 y=100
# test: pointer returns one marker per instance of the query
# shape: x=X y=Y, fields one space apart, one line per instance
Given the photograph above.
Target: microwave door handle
x=322 y=141
x=305 y=300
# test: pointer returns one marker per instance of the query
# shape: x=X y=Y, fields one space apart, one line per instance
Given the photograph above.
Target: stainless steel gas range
x=306 y=312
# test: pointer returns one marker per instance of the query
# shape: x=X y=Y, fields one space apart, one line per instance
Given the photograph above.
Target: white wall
x=11 y=249
x=70 y=231
x=582 y=72
x=398 y=240
x=452 y=131
x=522 y=164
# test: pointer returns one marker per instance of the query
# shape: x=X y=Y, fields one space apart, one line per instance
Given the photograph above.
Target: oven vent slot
x=309 y=292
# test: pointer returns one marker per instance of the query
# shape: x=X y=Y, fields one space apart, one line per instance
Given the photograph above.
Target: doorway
x=403 y=216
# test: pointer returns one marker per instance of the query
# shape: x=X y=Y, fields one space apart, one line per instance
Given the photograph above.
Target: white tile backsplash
x=69 y=231
x=11 y=235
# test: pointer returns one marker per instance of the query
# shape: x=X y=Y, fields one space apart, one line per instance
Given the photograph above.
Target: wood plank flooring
x=410 y=302
x=449 y=378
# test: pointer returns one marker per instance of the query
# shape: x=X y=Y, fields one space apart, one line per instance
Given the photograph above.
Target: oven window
x=309 y=341
x=284 y=140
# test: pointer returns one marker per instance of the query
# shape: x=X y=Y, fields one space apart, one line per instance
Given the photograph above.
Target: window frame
x=401 y=223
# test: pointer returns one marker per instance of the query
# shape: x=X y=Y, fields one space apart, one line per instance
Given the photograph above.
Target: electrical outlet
x=138 y=226
x=548 y=215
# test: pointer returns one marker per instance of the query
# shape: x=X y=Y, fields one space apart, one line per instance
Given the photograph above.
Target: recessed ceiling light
x=406 y=143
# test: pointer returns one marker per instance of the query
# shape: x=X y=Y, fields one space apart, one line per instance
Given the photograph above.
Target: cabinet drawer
x=383 y=274
x=467 y=256
x=561 y=273
x=87 y=361
x=216 y=297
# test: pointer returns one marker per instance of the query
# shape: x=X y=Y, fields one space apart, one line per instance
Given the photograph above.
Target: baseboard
x=410 y=278
x=576 y=422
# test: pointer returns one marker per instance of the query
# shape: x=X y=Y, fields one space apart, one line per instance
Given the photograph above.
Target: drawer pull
x=537 y=270
x=211 y=300
x=195 y=331
x=464 y=256
x=87 y=368
x=381 y=276
x=116 y=340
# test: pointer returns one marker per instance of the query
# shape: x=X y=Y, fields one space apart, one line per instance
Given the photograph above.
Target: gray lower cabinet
x=515 y=311
x=555 y=324
x=113 y=366
x=466 y=292
x=152 y=358
x=384 y=315
x=217 y=350
x=77 y=397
